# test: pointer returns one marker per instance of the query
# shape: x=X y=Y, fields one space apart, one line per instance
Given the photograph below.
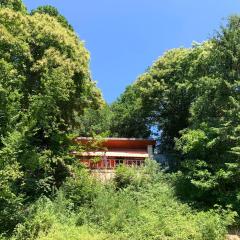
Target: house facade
x=111 y=152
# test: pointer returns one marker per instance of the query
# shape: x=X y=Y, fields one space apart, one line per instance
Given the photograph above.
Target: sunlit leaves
x=45 y=85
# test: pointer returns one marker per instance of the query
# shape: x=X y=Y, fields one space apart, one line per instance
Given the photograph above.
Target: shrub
x=149 y=211
x=39 y=218
x=135 y=176
x=80 y=188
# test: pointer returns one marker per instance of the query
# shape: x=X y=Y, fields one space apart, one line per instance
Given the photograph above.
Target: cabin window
x=119 y=161
x=139 y=162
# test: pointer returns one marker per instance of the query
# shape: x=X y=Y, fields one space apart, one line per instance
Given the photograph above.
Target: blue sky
x=124 y=37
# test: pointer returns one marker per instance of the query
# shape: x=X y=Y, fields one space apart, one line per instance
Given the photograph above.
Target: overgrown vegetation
x=191 y=96
x=139 y=204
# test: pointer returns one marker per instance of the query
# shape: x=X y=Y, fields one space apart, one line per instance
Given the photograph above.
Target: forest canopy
x=188 y=100
x=45 y=85
x=192 y=96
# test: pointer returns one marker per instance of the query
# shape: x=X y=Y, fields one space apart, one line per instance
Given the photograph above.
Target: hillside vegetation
x=139 y=204
x=189 y=97
x=192 y=98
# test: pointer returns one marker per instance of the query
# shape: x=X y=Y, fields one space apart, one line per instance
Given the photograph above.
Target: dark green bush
x=80 y=188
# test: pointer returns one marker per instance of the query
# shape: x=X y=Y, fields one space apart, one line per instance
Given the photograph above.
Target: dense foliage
x=144 y=207
x=161 y=97
x=211 y=143
x=192 y=96
x=95 y=122
x=45 y=85
x=52 y=11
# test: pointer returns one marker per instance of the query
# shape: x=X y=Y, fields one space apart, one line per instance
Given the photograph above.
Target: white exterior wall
x=150 y=151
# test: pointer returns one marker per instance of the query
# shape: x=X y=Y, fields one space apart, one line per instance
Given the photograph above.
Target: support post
x=150 y=151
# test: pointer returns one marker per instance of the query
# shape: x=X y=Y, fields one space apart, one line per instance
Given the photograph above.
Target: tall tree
x=161 y=97
x=53 y=12
x=211 y=143
x=45 y=85
x=130 y=118
x=16 y=5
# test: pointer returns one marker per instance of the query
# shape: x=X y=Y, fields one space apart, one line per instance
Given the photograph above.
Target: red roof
x=130 y=143
x=117 y=147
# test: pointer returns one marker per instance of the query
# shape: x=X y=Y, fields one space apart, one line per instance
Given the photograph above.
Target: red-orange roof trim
x=120 y=142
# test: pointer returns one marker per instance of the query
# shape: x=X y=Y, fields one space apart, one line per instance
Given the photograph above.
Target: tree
x=53 y=12
x=161 y=97
x=95 y=122
x=192 y=97
x=16 y=5
x=211 y=143
x=45 y=85
x=129 y=115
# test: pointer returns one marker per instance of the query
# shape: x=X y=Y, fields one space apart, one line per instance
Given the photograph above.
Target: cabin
x=111 y=152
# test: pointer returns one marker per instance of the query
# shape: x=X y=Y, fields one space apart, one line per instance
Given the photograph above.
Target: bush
x=126 y=176
x=146 y=211
x=40 y=218
x=135 y=176
x=63 y=232
x=53 y=220
x=80 y=188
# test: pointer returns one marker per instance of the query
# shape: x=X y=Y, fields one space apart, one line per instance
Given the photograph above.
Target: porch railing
x=113 y=163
